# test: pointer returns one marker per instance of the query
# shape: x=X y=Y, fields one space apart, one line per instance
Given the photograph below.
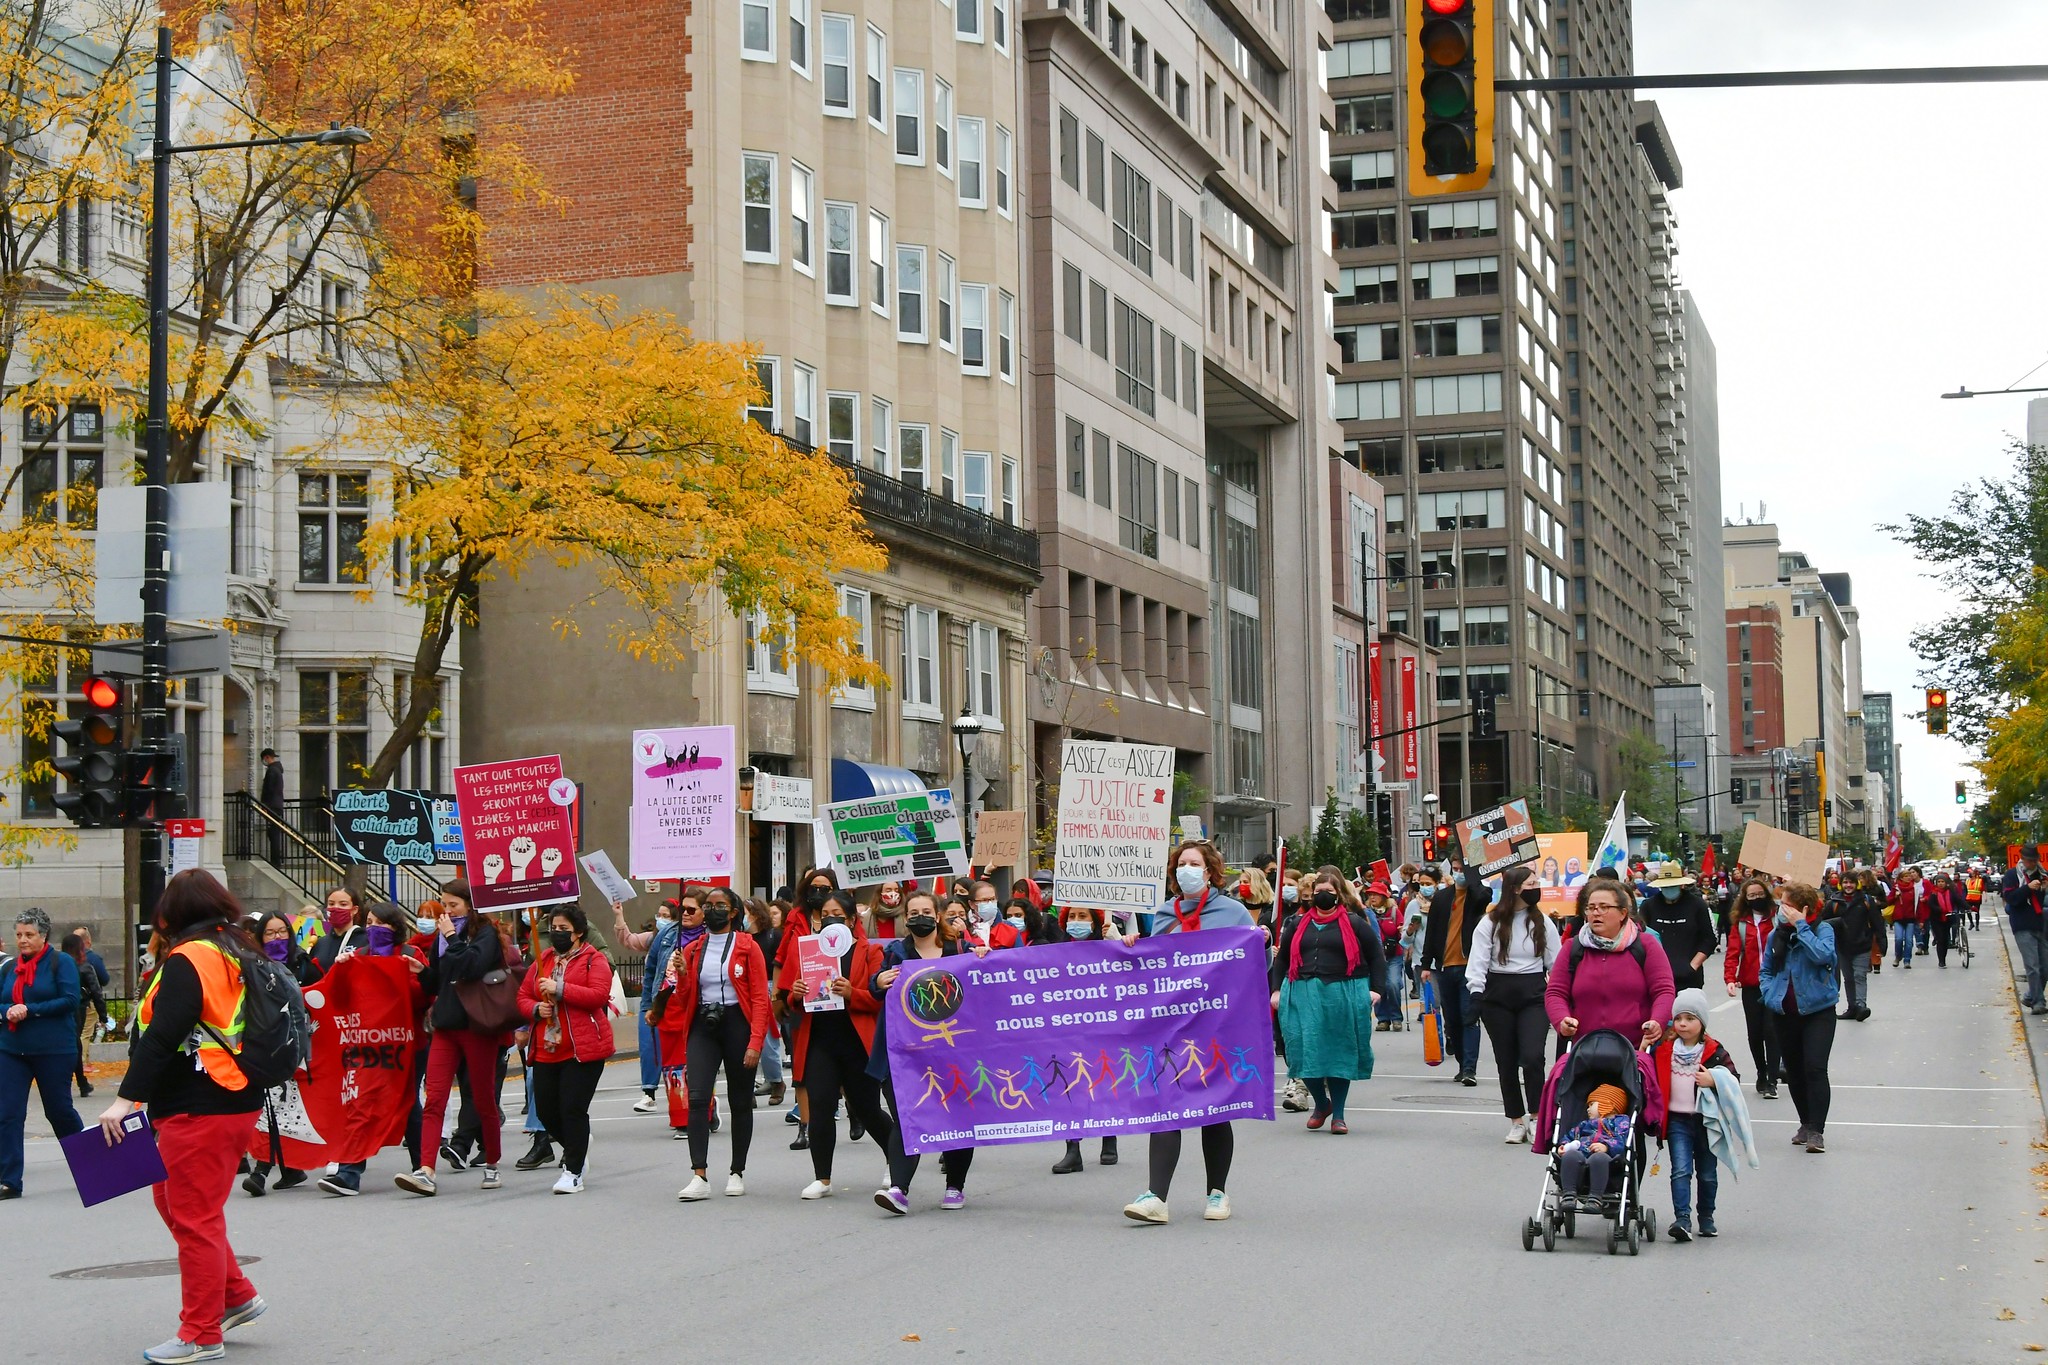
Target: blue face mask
x=1016 y=921
x=1079 y=928
x=1669 y=893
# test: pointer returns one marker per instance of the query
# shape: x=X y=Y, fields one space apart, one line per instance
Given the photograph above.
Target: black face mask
x=832 y=919
x=1532 y=895
x=923 y=926
x=1326 y=900
x=716 y=917
x=815 y=897
x=1756 y=903
x=560 y=939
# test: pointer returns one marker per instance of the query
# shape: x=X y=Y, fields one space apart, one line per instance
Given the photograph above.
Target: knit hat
x=1612 y=1098
x=1691 y=1000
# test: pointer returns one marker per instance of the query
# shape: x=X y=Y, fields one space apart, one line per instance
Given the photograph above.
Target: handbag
x=1432 y=1026
x=616 y=1006
x=679 y=1098
x=491 y=1002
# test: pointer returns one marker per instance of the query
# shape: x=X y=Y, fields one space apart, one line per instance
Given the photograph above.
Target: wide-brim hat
x=1670 y=874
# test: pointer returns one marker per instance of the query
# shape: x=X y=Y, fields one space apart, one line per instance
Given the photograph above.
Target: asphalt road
x=1909 y=1241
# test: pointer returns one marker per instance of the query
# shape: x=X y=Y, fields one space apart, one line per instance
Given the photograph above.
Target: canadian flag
x=1894 y=852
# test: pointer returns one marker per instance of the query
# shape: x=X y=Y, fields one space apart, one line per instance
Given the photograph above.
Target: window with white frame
x=911 y=456
x=878 y=66
x=949 y=280
x=919 y=682
x=334 y=730
x=909 y=116
x=1348 y=745
x=1006 y=335
x=999 y=23
x=836 y=39
x=949 y=463
x=878 y=262
x=762 y=409
x=942 y=126
x=334 y=512
x=985 y=674
x=974 y=328
x=910 y=288
x=801 y=182
x=1009 y=490
x=842 y=426
x=241 y=517
x=967 y=20
x=973 y=151
x=771 y=664
x=63 y=460
x=1002 y=170
x=800 y=37
x=757 y=178
x=975 y=485
x=841 y=286
x=803 y=405
x=757 y=30
x=858 y=607
x=425 y=766
x=879 y=430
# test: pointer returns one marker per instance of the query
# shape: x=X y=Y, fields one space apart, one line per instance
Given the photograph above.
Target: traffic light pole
x=1723 y=80
x=156 y=523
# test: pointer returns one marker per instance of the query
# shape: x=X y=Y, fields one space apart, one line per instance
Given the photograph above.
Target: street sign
x=190 y=655
x=200 y=515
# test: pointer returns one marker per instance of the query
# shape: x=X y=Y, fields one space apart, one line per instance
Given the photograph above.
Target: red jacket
x=862 y=1006
x=584 y=1009
x=748 y=972
x=1003 y=934
x=1714 y=1055
x=1942 y=904
x=1743 y=960
x=1909 y=903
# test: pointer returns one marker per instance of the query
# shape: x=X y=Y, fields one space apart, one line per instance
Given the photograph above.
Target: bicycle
x=1959 y=940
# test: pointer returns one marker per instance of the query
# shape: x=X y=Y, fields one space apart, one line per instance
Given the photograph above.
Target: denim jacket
x=1805 y=958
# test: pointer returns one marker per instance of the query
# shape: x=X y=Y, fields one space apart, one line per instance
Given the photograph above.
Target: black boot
x=541 y=1153
x=1108 y=1157
x=803 y=1138
x=290 y=1179
x=1069 y=1163
x=253 y=1183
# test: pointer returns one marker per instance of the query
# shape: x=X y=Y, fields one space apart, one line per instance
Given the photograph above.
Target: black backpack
x=277 y=1036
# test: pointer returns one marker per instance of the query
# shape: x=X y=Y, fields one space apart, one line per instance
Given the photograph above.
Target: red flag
x=353 y=1096
x=1707 y=863
x=1894 y=852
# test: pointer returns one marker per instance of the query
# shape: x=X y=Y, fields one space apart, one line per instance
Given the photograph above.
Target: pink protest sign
x=685 y=795
x=518 y=841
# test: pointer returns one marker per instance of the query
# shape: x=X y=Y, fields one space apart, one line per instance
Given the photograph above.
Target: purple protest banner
x=1082 y=1039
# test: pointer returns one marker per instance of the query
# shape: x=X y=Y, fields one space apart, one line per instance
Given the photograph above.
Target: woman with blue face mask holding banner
x=1198 y=902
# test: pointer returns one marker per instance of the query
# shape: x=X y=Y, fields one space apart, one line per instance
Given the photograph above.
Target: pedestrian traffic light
x=1483 y=715
x=1450 y=96
x=1937 y=710
x=1962 y=793
x=150 y=797
x=91 y=762
x=1429 y=848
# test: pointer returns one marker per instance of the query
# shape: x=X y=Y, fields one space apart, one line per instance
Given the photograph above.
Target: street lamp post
x=156 y=481
x=967 y=731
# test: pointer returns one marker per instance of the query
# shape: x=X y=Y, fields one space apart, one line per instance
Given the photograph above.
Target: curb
x=2036 y=1038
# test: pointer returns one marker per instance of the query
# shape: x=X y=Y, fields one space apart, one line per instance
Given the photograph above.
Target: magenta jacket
x=1610 y=990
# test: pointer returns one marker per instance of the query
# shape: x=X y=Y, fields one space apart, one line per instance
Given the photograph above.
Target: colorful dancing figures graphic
x=1010 y=1097
x=934 y=1088
x=1194 y=1063
x=957 y=1085
x=1241 y=1067
x=1034 y=1077
x=982 y=1081
x=1082 y=1076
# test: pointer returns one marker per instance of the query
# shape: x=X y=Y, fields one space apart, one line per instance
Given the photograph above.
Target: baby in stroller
x=1595 y=1143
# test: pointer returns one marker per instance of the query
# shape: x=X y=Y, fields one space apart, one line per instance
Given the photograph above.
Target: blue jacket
x=2022 y=906
x=1803 y=957
x=52 y=999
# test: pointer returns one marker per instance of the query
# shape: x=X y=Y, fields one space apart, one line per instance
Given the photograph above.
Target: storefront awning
x=854 y=781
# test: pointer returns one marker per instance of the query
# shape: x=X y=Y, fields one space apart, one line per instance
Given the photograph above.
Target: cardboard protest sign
x=1498 y=838
x=387 y=827
x=1756 y=846
x=519 y=846
x=999 y=839
x=352 y=1099
x=1781 y=853
x=1080 y=1040
x=685 y=796
x=896 y=838
x=1114 y=825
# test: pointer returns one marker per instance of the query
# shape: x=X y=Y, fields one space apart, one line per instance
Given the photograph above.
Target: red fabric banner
x=357 y=1089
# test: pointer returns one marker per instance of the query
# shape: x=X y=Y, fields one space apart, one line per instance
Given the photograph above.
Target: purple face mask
x=277 y=949
x=382 y=938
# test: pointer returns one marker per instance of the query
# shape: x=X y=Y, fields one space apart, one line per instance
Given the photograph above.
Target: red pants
x=476 y=1053
x=201 y=1153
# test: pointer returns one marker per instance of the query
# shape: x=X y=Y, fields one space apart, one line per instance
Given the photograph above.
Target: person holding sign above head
x=922 y=940
x=715 y=1014
x=1198 y=902
x=827 y=988
x=567 y=994
x=1325 y=983
x=1079 y=924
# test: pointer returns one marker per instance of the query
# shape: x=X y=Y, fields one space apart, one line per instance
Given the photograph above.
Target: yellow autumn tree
x=562 y=432
x=2015 y=762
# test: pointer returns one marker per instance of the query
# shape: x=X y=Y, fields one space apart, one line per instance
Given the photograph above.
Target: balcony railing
x=918 y=512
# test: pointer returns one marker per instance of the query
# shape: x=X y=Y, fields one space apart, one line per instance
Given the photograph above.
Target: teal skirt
x=1327 y=1027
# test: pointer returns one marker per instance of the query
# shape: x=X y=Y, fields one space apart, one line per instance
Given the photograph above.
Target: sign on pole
x=1115 y=825
x=388 y=827
x=685 y=795
x=782 y=800
x=186 y=837
x=519 y=846
x=895 y=838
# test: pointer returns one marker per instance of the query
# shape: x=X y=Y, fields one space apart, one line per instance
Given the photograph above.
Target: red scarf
x=1190 y=923
x=25 y=975
x=1318 y=916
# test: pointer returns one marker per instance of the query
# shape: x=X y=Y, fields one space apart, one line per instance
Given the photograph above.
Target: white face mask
x=1189 y=879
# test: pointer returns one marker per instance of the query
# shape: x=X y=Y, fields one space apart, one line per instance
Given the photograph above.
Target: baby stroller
x=1600 y=1058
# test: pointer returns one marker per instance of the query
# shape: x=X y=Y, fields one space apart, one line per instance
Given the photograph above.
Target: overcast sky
x=1856 y=253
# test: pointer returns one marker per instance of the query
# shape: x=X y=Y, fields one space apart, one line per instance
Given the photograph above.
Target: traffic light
x=1483 y=715
x=91 y=763
x=1450 y=96
x=1795 y=795
x=1962 y=793
x=1937 y=710
x=1735 y=789
x=1428 y=848
x=150 y=796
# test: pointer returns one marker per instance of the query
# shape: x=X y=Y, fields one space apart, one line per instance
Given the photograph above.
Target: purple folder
x=104 y=1170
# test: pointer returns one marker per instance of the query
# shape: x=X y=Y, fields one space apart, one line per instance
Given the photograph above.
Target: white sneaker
x=568 y=1182
x=698 y=1188
x=817 y=1189
x=1218 y=1207
x=1146 y=1208
x=645 y=1105
x=1518 y=1132
x=734 y=1186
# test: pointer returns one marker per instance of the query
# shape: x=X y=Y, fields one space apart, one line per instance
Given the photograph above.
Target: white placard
x=605 y=877
x=1114 y=828
x=783 y=800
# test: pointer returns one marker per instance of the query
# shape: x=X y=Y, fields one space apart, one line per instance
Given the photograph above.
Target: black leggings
x=903 y=1165
x=836 y=1063
x=1805 y=1040
x=1512 y=1010
x=561 y=1097
x=1763 y=1036
x=711 y=1045
x=1942 y=930
x=1217 y=1147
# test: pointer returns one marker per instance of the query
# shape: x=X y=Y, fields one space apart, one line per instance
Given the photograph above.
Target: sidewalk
x=2033 y=1028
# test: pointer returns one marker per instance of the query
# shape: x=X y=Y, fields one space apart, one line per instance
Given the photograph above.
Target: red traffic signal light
x=91 y=761
x=1450 y=96
x=103 y=694
x=1937 y=710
